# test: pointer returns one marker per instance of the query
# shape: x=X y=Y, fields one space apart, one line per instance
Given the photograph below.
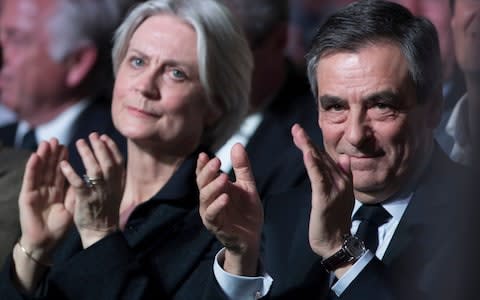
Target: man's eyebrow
x=385 y=96
x=328 y=100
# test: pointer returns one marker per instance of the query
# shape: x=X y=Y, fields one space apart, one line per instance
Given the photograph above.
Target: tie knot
x=29 y=141
x=372 y=213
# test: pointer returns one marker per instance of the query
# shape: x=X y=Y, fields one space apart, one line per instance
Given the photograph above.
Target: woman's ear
x=81 y=62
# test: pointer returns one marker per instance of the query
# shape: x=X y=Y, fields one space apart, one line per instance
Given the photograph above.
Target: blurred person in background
x=6 y=115
x=182 y=83
x=56 y=70
x=440 y=13
x=280 y=97
x=463 y=124
x=305 y=17
x=12 y=167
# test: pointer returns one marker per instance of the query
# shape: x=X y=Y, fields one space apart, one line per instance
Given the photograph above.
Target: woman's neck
x=146 y=175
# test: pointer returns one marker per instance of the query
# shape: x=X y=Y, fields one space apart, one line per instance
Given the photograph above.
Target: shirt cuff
x=240 y=287
x=341 y=285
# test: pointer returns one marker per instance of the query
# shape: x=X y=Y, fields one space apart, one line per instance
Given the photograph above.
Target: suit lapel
x=7 y=134
x=419 y=230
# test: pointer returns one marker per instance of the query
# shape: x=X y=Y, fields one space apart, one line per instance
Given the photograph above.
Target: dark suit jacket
x=271 y=149
x=12 y=166
x=416 y=265
x=164 y=252
x=96 y=117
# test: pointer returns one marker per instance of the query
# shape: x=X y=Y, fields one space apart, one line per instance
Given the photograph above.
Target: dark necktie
x=29 y=141
x=371 y=217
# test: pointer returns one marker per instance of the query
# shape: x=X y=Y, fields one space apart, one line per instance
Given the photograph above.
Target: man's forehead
x=371 y=70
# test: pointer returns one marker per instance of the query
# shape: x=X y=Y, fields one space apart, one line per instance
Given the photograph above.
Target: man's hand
x=332 y=195
x=232 y=210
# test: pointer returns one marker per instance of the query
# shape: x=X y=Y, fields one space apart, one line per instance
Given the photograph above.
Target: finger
x=318 y=180
x=43 y=154
x=51 y=162
x=208 y=173
x=212 y=191
x=88 y=158
x=302 y=140
x=241 y=164
x=72 y=177
x=112 y=146
x=102 y=155
x=30 y=178
x=212 y=216
x=202 y=160
x=59 y=180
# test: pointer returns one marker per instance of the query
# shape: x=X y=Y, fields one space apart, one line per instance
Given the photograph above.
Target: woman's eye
x=178 y=74
x=137 y=62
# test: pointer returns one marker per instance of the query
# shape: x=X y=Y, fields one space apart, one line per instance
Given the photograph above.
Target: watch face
x=354 y=246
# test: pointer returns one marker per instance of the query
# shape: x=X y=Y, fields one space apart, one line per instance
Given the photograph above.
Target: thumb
x=241 y=164
x=344 y=164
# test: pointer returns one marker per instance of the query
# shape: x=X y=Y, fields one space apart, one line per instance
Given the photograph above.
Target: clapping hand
x=232 y=210
x=96 y=196
x=332 y=195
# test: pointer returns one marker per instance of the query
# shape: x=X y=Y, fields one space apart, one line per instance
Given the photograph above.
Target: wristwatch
x=352 y=249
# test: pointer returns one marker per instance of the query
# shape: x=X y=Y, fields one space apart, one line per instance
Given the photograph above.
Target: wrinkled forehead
x=26 y=14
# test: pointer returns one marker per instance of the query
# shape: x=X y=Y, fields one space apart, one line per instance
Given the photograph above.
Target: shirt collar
x=397 y=204
x=457 y=126
x=61 y=127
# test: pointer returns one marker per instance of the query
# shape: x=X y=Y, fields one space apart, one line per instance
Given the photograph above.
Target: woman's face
x=158 y=100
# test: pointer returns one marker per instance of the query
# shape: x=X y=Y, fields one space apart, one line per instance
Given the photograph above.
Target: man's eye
x=382 y=106
x=335 y=107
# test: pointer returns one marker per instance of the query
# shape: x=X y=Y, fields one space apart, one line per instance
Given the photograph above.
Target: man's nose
x=358 y=130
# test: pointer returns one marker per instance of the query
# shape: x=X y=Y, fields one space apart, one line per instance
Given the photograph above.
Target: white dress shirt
x=457 y=127
x=61 y=127
x=242 y=136
x=6 y=116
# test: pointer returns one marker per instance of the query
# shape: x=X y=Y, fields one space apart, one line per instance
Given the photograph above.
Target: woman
x=183 y=72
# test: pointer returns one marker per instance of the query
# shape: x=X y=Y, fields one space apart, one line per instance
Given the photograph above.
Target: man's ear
x=80 y=63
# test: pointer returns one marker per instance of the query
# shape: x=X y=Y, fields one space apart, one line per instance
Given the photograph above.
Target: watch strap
x=337 y=260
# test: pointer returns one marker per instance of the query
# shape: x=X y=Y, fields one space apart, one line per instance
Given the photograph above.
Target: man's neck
x=47 y=114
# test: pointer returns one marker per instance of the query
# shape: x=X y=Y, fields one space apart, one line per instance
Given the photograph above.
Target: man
x=6 y=116
x=280 y=97
x=377 y=87
x=463 y=123
x=440 y=14
x=11 y=173
x=56 y=70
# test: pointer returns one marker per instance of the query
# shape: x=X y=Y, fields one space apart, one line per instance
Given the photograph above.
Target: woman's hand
x=45 y=215
x=96 y=196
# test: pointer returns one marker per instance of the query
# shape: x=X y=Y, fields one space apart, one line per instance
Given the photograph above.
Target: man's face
x=368 y=111
x=466 y=32
x=440 y=14
x=29 y=79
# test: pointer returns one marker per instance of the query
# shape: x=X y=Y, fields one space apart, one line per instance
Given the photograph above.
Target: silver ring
x=91 y=182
